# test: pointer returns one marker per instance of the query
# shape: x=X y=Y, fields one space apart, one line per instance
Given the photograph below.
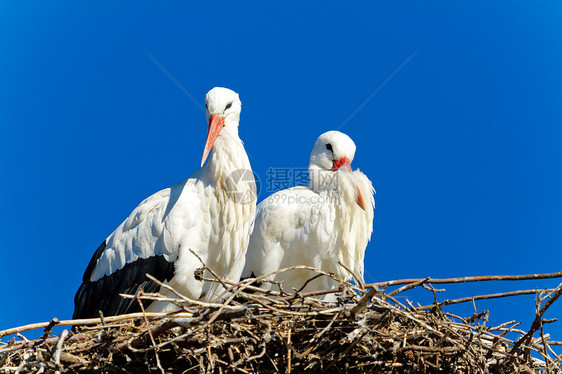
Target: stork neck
x=321 y=179
x=228 y=154
x=340 y=184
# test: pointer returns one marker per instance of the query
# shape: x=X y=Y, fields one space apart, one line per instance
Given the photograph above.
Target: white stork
x=327 y=222
x=211 y=213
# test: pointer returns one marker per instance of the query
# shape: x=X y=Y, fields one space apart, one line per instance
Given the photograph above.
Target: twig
x=58 y=349
x=288 y=345
x=55 y=321
x=307 y=282
x=232 y=366
x=408 y=287
x=183 y=297
x=217 y=277
x=78 y=322
x=362 y=304
x=478 y=297
x=139 y=293
x=478 y=278
x=303 y=267
x=537 y=321
x=357 y=279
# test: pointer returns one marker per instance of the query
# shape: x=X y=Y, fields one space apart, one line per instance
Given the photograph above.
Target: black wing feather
x=93 y=262
x=103 y=294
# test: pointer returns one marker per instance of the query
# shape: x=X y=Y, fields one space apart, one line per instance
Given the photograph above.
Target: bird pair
x=203 y=219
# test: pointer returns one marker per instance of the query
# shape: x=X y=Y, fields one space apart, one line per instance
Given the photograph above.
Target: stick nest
x=257 y=331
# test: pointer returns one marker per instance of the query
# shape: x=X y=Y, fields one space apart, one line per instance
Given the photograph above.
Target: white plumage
x=211 y=213
x=327 y=222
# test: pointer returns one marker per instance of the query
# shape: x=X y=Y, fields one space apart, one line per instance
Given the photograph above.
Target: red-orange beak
x=341 y=162
x=215 y=127
x=347 y=166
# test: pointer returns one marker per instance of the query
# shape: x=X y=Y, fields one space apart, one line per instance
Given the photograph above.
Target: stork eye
x=228 y=106
x=329 y=147
x=206 y=106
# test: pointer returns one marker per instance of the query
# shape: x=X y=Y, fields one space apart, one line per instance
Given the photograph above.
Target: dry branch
x=476 y=278
x=537 y=323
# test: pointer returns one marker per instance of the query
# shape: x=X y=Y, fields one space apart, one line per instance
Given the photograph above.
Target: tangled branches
x=283 y=331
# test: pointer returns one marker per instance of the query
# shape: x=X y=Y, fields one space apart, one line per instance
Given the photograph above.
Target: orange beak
x=339 y=163
x=347 y=166
x=215 y=127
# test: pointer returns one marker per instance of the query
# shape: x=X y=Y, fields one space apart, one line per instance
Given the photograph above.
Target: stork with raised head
x=320 y=225
x=210 y=213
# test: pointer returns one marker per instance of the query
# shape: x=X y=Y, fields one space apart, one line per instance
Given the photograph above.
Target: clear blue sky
x=462 y=144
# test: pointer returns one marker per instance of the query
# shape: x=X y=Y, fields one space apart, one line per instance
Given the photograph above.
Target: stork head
x=334 y=151
x=223 y=110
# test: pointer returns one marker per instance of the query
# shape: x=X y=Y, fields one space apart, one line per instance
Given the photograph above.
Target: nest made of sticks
x=258 y=331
